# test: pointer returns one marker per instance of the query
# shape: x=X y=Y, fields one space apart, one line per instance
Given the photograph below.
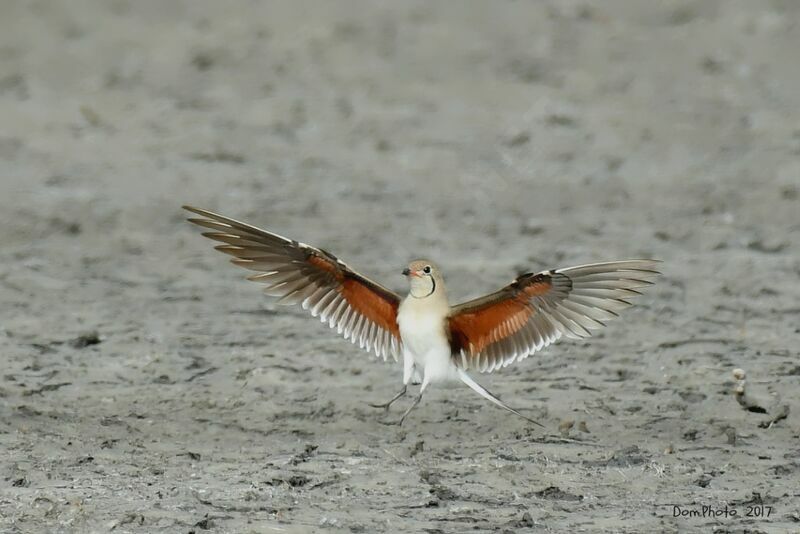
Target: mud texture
x=146 y=387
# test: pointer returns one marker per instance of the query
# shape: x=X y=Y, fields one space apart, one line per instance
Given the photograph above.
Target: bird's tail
x=486 y=394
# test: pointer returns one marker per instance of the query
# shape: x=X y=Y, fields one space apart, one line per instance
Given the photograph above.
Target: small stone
x=519 y=139
x=565 y=427
x=86 y=340
x=730 y=433
x=526 y=521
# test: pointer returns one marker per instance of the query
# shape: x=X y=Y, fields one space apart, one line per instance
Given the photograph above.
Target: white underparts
x=426 y=349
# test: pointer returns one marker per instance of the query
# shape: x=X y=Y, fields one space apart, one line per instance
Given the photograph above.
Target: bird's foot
x=386 y=405
x=405 y=414
x=399 y=422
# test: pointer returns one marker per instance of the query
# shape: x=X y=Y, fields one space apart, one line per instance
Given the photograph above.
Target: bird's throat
x=421 y=289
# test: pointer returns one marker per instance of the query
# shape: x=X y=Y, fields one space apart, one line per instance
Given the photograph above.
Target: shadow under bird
x=437 y=342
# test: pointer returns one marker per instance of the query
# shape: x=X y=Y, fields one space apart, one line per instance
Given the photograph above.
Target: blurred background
x=493 y=137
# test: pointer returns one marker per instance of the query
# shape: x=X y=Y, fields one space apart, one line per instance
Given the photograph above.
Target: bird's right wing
x=537 y=309
x=363 y=311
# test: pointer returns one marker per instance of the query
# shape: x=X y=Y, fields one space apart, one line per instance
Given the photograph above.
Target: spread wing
x=363 y=311
x=537 y=309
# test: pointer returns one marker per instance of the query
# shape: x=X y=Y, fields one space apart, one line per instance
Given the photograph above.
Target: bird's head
x=424 y=278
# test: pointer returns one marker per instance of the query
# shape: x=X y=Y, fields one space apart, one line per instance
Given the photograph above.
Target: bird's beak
x=406 y=272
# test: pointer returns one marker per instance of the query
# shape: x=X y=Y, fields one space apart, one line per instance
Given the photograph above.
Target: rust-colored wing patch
x=495 y=317
x=362 y=310
x=537 y=309
x=375 y=306
x=374 y=302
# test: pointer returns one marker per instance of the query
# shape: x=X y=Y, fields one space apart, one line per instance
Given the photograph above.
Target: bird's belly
x=424 y=339
x=423 y=334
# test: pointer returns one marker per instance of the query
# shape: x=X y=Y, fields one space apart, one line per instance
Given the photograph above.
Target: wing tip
x=193 y=209
x=650 y=262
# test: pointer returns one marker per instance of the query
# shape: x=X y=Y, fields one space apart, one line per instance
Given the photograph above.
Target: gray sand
x=146 y=387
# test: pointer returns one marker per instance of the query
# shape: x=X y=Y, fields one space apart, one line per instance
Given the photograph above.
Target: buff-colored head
x=424 y=279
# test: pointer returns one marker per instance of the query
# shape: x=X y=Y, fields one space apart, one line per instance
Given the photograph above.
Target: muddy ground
x=146 y=387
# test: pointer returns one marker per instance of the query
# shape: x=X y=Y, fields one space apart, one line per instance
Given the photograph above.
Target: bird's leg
x=408 y=374
x=408 y=411
x=386 y=405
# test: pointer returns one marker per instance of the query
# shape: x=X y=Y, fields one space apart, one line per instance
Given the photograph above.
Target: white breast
x=422 y=329
x=421 y=332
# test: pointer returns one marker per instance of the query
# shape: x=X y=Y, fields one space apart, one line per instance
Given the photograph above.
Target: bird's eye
x=426 y=269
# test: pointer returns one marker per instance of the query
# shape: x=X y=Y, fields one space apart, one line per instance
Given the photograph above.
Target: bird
x=437 y=342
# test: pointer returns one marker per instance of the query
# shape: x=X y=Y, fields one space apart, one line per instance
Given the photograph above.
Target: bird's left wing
x=537 y=309
x=362 y=310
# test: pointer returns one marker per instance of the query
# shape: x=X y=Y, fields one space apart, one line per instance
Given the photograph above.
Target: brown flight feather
x=362 y=310
x=537 y=309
